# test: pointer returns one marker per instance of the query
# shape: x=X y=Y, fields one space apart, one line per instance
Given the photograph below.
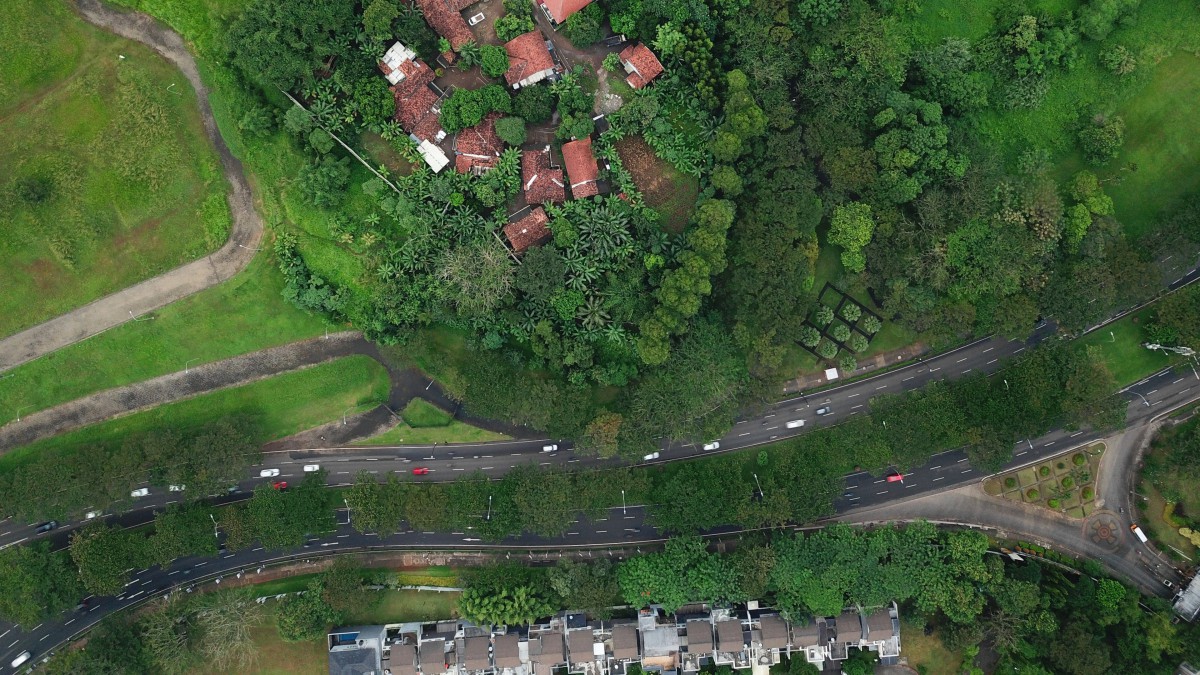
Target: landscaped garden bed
x=1066 y=483
x=840 y=326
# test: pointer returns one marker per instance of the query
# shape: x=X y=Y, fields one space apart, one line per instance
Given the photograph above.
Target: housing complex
x=746 y=638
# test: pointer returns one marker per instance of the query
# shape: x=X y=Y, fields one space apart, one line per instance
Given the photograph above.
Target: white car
x=140 y=492
x=712 y=446
x=653 y=455
x=21 y=658
x=309 y=468
x=91 y=514
x=550 y=448
x=795 y=424
x=268 y=473
x=176 y=488
x=476 y=19
x=824 y=411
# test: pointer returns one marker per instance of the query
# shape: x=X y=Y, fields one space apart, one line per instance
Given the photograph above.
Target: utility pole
x=215 y=533
x=489 y=515
x=760 y=492
x=623 y=502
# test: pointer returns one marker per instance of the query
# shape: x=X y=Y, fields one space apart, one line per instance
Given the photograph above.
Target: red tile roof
x=528 y=231
x=527 y=55
x=444 y=17
x=415 y=100
x=540 y=182
x=581 y=168
x=645 y=65
x=561 y=9
x=478 y=146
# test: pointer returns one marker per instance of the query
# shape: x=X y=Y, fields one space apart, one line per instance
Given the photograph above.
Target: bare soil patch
x=671 y=193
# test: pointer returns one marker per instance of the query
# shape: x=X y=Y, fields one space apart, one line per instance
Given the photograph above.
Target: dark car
x=47 y=526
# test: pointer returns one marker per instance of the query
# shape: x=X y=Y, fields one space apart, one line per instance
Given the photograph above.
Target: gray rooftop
x=624 y=640
x=662 y=641
x=475 y=653
x=774 y=632
x=404 y=660
x=879 y=625
x=352 y=660
x=547 y=648
x=806 y=636
x=580 y=645
x=1188 y=604
x=507 y=653
x=849 y=627
x=433 y=657
x=700 y=637
x=729 y=636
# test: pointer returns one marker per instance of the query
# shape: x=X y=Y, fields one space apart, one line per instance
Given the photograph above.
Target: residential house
x=445 y=17
x=477 y=149
x=541 y=181
x=881 y=631
x=417 y=99
x=357 y=650
x=475 y=655
x=506 y=652
x=582 y=170
x=530 y=230
x=1187 y=601
x=558 y=10
x=641 y=64
x=529 y=60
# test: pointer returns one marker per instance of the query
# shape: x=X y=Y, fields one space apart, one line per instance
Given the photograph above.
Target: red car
x=896 y=478
x=280 y=485
x=420 y=471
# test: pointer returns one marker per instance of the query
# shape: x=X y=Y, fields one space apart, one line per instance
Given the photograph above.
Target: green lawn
x=1120 y=342
x=274 y=407
x=244 y=314
x=421 y=413
x=927 y=651
x=455 y=432
x=276 y=657
x=401 y=606
x=106 y=177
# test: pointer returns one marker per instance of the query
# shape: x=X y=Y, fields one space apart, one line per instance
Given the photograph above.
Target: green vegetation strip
x=275 y=407
x=106 y=175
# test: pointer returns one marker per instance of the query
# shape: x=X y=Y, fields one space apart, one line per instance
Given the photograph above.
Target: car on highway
x=176 y=488
x=140 y=492
x=94 y=513
x=21 y=658
x=550 y=448
x=712 y=445
x=420 y=471
x=895 y=478
x=47 y=526
x=653 y=455
x=795 y=424
x=309 y=468
x=824 y=411
x=268 y=473
x=279 y=485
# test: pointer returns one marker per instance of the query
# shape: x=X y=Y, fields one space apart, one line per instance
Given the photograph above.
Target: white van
x=309 y=468
x=140 y=492
x=795 y=424
x=550 y=448
x=712 y=446
x=21 y=658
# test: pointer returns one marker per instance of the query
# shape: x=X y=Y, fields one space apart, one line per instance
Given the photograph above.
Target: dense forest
x=819 y=124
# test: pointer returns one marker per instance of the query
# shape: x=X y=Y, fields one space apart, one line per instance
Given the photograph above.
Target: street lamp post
x=347 y=503
x=185 y=364
x=760 y=492
x=489 y=516
x=1143 y=399
x=22 y=408
x=1006 y=385
x=623 y=502
x=215 y=533
x=346 y=411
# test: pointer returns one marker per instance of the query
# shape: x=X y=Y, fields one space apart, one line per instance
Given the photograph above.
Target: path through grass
x=106 y=176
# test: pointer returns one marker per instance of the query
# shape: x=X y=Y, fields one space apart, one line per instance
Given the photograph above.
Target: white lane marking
x=745 y=434
x=852 y=395
x=856 y=406
x=992 y=361
x=988 y=350
x=1022 y=452
x=961 y=360
x=1076 y=434
x=882 y=386
x=963 y=459
x=939 y=478
x=1020 y=350
x=966 y=471
x=907 y=378
x=882 y=493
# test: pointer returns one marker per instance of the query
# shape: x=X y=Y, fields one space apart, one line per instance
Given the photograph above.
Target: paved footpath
x=151 y=294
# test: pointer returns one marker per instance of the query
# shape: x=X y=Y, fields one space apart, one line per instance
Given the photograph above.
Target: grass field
x=1120 y=343
x=927 y=651
x=106 y=177
x=420 y=413
x=455 y=432
x=274 y=407
x=244 y=314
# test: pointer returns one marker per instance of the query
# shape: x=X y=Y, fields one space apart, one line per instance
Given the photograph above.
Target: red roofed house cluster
x=541 y=182
x=445 y=16
x=582 y=170
x=478 y=148
x=529 y=60
x=416 y=102
x=641 y=64
x=528 y=231
x=559 y=10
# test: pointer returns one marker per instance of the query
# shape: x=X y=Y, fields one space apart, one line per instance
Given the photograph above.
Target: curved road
x=151 y=294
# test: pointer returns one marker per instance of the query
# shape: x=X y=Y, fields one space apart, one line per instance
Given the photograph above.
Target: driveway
x=244 y=237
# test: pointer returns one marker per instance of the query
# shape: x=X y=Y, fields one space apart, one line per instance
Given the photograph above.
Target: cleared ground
x=106 y=177
x=666 y=189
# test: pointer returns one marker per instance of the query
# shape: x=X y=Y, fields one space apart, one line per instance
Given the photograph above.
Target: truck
x=1138 y=532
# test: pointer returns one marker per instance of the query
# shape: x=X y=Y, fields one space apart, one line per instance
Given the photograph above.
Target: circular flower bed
x=1068 y=483
x=1078 y=459
x=1010 y=483
x=1044 y=471
x=1053 y=503
x=1087 y=493
x=1032 y=494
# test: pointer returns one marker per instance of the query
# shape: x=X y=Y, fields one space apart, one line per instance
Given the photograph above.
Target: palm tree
x=592 y=314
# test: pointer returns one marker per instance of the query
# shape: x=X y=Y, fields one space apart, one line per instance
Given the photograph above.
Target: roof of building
x=879 y=625
x=729 y=636
x=478 y=146
x=444 y=17
x=548 y=648
x=579 y=641
x=700 y=637
x=404 y=659
x=354 y=661
x=624 y=640
x=398 y=63
x=1188 y=604
x=530 y=230
x=415 y=100
x=540 y=182
x=774 y=631
x=433 y=657
x=527 y=55
x=849 y=627
x=507 y=653
x=645 y=64
x=582 y=169
x=475 y=653
x=561 y=9
x=807 y=635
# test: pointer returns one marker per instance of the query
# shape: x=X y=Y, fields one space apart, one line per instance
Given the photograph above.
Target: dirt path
x=151 y=294
x=406 y=384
